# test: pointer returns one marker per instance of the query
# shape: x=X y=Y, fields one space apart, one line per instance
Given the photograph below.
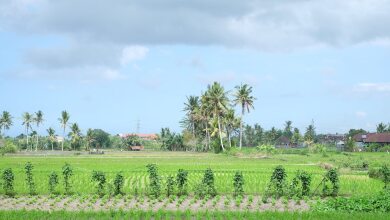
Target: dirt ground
x=92 y=203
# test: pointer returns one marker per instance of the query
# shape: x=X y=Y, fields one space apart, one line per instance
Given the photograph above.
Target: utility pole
x=138 y=126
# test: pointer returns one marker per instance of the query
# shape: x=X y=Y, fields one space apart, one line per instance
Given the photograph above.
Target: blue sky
x=110 y=65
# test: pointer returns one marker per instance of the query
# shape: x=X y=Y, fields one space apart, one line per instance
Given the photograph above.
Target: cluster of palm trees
x=212 y=113
x=32 y=122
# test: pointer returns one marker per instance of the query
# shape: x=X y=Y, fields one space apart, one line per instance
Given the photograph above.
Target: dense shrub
x=332 y=178
x=67 y=172
x=53 y=182
x=9 y=147
x=278 y=182
x=206 y=188
x=181 y=181
x=300 y=185
x=100 y=178
x=385 y=173
x=8 y=182
x=29 y=177
x=118 y=183
x=154 y=180
x=170 y=186
x=238 y=183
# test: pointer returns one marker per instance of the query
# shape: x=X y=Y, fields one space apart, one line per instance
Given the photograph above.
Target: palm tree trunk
x=63 y=140
x=207 y=137
x=242 y=115
x=36 y=146
x=27 y=138
x=220 y=133
x=52 y=146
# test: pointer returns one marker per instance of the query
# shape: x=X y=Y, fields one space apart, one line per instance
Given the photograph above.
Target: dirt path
x=92 y=203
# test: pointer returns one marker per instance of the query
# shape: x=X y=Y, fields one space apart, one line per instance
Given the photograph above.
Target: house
x=147 y=137
x=372 y=138
x=283 y=142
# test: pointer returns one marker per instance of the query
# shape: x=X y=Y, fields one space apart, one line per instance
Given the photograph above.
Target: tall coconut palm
x=231 y=123
x=5 y=122
x=243 y=98
x=204 y=115
x=75 y=134
x=288 y=129
x=89 y=139
x=27 y=121
x=191 y=108
x=51 y=132
x=38 y=121
x=218 y=102
x=64 y=123
x=381 y=128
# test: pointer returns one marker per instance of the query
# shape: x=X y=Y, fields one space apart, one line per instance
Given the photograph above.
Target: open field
x=256 y=169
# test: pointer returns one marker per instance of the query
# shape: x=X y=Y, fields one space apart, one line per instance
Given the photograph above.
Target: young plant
x=67 y=172
x=277 y=184
x=170 y=185
x=118 y=184
x=181 y=180
x=206 y=188
x=385 y=173
x=154 y=178
x=53 y=182
x=331 y=176
x=100 y=178
x=8 y=182
x=29 y=178
x=238 y=183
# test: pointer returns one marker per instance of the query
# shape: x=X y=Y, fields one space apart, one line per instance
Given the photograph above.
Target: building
x=147 y=137
x=372 y=138
x=283 y=142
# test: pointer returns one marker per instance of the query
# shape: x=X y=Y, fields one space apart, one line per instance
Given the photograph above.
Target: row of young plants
x=278 y=186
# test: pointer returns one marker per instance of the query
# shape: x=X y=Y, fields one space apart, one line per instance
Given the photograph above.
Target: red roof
x=373 y=138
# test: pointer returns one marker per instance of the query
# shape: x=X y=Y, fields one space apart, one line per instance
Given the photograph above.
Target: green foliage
x=277 y=184
x=207 y=187
x=331 y=177
x=268 y=149
x=131 y=140
x=385 y=173
x=29 y=178
x=304 y=179
x=373 y=203
x=67 y=172
x=118 y=183
x=181 y=181
x=238 y=183
x=100 y=178
x=170 y=186
x=8 y=182
x=9 y=147
x=171 y=141
x=154 y=180
x=53 y=182
x=100 y=139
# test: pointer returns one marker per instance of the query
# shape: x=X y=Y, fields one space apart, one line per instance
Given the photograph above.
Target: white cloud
x=132 y=53
x=360 y=114
x=373 y=87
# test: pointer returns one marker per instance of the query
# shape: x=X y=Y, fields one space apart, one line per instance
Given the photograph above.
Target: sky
x=115 y=64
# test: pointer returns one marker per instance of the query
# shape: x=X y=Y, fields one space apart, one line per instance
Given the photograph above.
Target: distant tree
x=5 y=122
x=288 y=129
x=75 y=135
x=258 y=135
x=296 y=137
x=64 y=123
x=191 y=108
x=27 y=121
x=98 y=138
x=231 y=123
x=245 y=100
x=310 y=133
x=353 y=132
x=381 y=128
x=51 y=132
x=38 y=121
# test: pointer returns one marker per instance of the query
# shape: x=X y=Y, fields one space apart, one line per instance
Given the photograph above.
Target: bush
x=238 y=183
x=118 y=184
x=206 y=188
x=100 y=178
x=29 y=178
x=53 y=182
x=67 y=172
x=385 y=173
x=331 y=177
x=181 y=181
x=374 y=172
x=170 y=186
x=154 y=178
x=277 y=184
x=8 y=182
x=9 y=147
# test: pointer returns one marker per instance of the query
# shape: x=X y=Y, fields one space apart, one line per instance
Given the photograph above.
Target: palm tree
x=89 y=138
x=243 y=98
x=191 y=107
x=288 y=129
x=75 y=134
x=381 y=128
x=218 y=102
x=231 y=123
x=204 y=116
x=310 y=133
x=52 y=137
x=5 y=121
x=27 y=121
x=64 y=122
x=38 y=120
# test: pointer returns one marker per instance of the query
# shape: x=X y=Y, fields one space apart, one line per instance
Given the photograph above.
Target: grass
x=161 y=214
x=256 y=170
